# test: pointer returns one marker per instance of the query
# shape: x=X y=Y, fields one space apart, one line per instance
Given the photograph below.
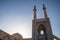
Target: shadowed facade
x=41 y=28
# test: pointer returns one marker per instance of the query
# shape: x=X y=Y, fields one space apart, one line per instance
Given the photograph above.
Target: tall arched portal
x=42 y=33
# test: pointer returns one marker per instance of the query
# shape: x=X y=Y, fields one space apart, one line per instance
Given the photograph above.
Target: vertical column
x=34 y=11
x=44 y=9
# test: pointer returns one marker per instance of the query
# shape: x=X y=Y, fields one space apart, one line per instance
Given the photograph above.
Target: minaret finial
x=44 y=9
x=34 y=11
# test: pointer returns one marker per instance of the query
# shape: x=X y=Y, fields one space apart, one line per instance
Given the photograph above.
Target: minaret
x=44 y=9
x=34 y=11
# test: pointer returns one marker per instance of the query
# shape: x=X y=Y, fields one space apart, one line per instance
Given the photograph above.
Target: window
x=41 y=32
x=54 y=39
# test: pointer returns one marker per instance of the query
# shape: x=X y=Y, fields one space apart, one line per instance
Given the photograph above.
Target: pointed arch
x=41 y=29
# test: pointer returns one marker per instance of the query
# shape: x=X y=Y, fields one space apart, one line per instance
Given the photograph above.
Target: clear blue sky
x=17 y=15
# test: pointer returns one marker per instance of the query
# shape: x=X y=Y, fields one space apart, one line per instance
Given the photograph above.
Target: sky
x=16 y=15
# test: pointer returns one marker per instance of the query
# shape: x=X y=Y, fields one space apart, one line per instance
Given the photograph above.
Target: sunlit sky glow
x=16 y=15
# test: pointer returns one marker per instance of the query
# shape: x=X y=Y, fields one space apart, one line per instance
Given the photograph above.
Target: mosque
x=41 y=29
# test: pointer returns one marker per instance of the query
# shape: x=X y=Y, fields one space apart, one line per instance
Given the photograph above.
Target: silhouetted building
x=41 y=28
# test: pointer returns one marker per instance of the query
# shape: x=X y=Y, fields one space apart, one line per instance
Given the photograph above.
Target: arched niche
x=41 y=29
x=41 y=33
x=54 y=38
